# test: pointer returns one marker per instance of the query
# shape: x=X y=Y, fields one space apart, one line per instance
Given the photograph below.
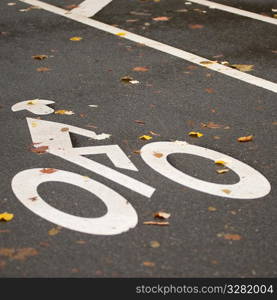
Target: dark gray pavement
x=172 y=100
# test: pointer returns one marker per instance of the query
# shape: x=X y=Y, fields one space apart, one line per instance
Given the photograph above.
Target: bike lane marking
x=198 y=60
x=237 y=11
x=89 y=8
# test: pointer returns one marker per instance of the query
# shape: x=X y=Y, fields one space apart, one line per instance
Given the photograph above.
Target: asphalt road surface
x=217 y=79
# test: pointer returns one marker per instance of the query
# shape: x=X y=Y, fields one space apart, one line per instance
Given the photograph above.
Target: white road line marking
x=268 y=85
x=58 y=141
x=252 y=184
x=35 y=106
x=120 y=215
x=236 y=11
x=89 y=8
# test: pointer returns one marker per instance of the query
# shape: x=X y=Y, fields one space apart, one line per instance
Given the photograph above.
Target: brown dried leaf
x=40 y=150
x=158 y=155
x=33 y=198
x=65 y=129
x=137 y=151
x=162 y=215
x=23 y=253
x=43 y=69
x=140 y=69
x=48 y=170
x=70 y=6
x=149 y=264
x=156 y=223
x=211 y=125
x=210 y=90
x=233 y=237
x=196 y=26
x=40 y=56
x=139 y=122
x=161 y=18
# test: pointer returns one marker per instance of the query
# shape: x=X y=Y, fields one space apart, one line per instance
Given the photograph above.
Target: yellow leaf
x=211 y=208
x=6 y=217
x=243 y=68
x=54 y=230
x=121 y=33
x=222 y=171
x=220 y=162
x=145 y=137
x=34 y=124
x=76 y=38
x=245 y=138
x=195 y=134
x=64 y=112
x=226 y=191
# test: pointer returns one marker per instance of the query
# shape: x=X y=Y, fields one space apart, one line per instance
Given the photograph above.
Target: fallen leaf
x=23 y=253
x=242 y=68
x=233 y=237
x=18 y=254
x=210 y=90
x=39 y=150
x=121 y=33
x=126 y=79
x=33 y=198
x=65 y=129
x=161 y=18
x=154 y=244
x=70 y=6
x=211 y=208
x=245 y=138
x=40 y=56
x=226 y=191
x=208 y=62
x=76 y=38
x=156 y=223
x=139 y=122
x=211 y=125
x=196 y=26
x=48 y=171
x=162 y=215
x=220 y=162
x=140 y=69
x=64 y=112
x=221 y=171
x=6 y=217
x=137 y=151
x=54 y=230
x=145 y=137
x=149 y=264
x=158 y=155
x=195 y=134
x=43 y=69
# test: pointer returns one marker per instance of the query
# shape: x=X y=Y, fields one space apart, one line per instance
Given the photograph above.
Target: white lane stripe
x=268 y=85
x=236 y=11
x=89 y=8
